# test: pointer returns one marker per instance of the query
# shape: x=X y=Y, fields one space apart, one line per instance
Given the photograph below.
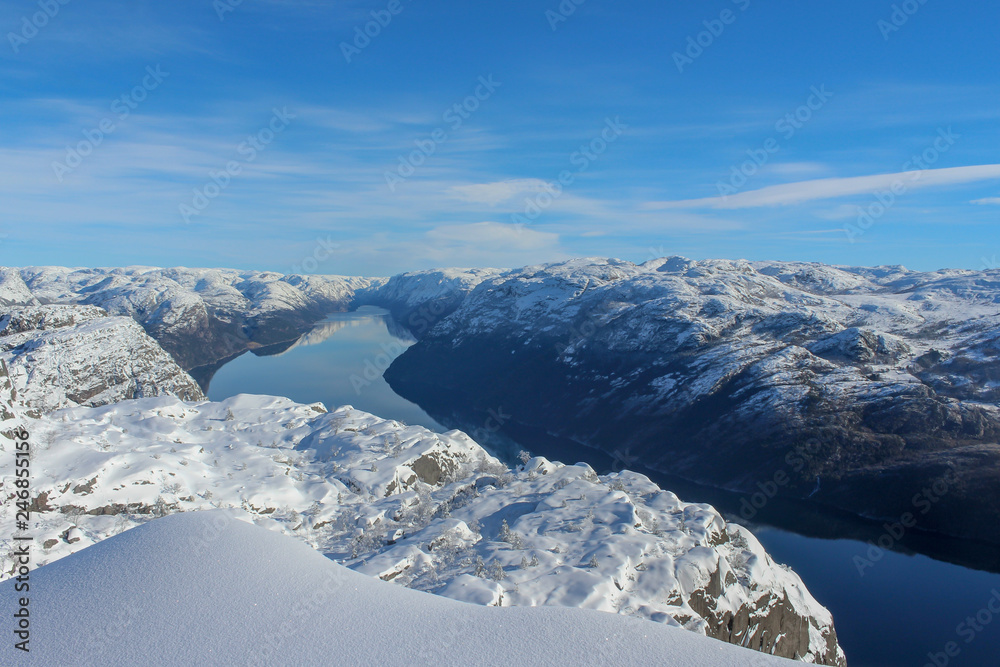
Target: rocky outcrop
x=61 y=356
x=861 y=346
x=13 y=291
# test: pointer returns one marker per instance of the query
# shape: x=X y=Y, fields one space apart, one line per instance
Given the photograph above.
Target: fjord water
x=339 y=362
x=902 y=609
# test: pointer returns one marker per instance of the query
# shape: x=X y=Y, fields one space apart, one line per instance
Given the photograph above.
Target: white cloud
x=493 y=234
x=474 y=244
x=987 y=201
x=797 y=168
x=499 y=192
x=831 y=188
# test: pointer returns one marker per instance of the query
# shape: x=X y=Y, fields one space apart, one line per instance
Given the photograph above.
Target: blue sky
x=590 y=135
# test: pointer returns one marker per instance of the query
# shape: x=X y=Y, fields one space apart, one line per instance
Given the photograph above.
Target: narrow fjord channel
x=901 y=594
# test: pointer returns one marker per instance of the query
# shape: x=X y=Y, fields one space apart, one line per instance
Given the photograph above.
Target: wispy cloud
x=472 y=244
x=832 y=188
x=499 y=192
x=797 y=168
x=493 y=234
x=842 y=212
x=987 y=201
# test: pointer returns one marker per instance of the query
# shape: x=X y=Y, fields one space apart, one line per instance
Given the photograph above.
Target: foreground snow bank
x=206 y=588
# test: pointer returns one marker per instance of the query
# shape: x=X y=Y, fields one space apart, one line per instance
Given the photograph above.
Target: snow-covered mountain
x=200 y=316
x=433 y=512
x=61 y=356
x=254 y=597
x=420 y=299
x=857 y=387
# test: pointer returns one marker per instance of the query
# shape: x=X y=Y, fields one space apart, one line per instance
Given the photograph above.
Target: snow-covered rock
x=60 y=356
x=13 y=291
x=429 y=511
x=211 y=588
x=861 y=346
x=420 y=299
x=200 y=316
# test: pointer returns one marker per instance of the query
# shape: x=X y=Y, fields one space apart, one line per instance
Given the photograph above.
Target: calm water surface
x=340 y=362
x=902 y=609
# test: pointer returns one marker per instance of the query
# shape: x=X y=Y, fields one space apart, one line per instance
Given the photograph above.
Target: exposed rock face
x=429 y=511
x=860 y=388
x=62 y=356
x=200 y=316
x=861 y=346
x=11 y=409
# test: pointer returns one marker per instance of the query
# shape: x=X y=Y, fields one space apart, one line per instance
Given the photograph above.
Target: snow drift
x=207 y=588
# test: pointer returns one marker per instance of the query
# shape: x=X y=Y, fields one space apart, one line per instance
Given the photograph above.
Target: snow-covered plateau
x=431 y=512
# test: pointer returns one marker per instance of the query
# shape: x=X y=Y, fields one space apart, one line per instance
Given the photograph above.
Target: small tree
x=510 y=537
x=496 y=572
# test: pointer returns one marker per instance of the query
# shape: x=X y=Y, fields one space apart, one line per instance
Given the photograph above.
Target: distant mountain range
x=867 y=389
